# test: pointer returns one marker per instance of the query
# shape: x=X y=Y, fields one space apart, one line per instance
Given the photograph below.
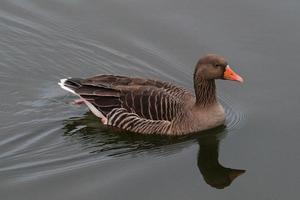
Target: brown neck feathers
x=205 y=91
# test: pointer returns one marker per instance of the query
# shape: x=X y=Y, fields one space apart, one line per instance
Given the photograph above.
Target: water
x=51 y=149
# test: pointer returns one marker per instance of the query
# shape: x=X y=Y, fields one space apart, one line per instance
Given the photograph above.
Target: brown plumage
x=156 y=107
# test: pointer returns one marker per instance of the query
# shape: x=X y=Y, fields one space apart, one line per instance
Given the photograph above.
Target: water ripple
x=234 y=117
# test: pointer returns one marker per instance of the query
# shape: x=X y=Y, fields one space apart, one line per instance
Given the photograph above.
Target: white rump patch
x=62 y=85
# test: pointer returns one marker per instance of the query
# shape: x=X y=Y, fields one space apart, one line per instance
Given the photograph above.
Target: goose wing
x=135 y=104
x=148 y=99
x=129 y=83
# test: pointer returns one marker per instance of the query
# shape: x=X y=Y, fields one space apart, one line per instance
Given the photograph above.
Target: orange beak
x=229 y=74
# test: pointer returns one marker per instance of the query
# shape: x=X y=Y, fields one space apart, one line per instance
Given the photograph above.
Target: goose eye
x=217 y=65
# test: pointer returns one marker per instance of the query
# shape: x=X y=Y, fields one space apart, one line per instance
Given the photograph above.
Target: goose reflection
x=96 y=139
x=213 y=172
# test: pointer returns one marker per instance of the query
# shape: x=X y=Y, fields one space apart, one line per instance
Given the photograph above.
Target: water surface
x=51 y=149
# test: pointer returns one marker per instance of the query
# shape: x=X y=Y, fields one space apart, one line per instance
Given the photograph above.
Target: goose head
x=212 y=67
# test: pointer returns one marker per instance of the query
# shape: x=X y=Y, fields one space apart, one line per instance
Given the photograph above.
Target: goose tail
x=70 y=84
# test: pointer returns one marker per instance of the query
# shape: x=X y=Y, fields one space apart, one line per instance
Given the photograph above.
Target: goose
x=149 y=106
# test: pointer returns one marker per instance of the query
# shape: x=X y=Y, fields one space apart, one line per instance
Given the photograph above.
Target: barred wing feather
x=134 y=104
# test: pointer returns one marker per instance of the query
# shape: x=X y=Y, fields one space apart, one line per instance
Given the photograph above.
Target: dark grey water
x=51 y=149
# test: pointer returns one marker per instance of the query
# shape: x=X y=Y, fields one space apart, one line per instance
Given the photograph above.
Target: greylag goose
x=156 y=107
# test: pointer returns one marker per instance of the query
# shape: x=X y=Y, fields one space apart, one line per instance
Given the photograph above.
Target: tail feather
x=70 y=84
x=73 y=83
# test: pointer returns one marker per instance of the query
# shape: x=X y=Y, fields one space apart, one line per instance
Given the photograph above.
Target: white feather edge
x=94 y=110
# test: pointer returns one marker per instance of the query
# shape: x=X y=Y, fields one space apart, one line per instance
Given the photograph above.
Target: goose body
x=150 y=106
